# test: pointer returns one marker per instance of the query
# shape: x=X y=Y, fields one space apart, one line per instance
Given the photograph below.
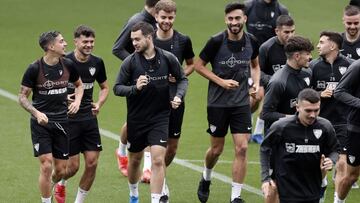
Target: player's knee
x=46 y=168
x=91 y=164
x=241 y=150
x=157 y=162
x=217 y=151
x=341 y=165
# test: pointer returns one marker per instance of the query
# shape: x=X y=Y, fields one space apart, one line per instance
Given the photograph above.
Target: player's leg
x=240 y=126
x=256 y=106
x=352 y=168
x=91 y=147
x=146 y=171
x=88 y=177
x=45 y=185
x=41 y=140
x=218 y=124
x=158 y=171
x=121 y=151
x=175 y=123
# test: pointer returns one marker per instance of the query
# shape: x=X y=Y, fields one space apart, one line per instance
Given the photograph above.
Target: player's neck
x=292 y=63
x=80 y=57
x=331 y=57
x=150 y=10
x=150 y=52
x=160 y=34
x=352 y=39
x=50 y=59
x=235 y=37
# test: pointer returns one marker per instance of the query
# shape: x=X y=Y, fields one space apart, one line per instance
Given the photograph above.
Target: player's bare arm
x=26 y=104
x=103 y=93
x=202 y=70
x=79 y=91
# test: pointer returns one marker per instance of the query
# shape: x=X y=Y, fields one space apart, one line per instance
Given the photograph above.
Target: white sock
x=235 y=190
x=122 y=149
x=165 y=189
x=45 y=200
x=259 y=127
x=147 y=161
x=62 y=182
x=207 y=173
x=155 y=198
x=81 y=194
x=134 y=189
x=324 y=182
x=337 y=199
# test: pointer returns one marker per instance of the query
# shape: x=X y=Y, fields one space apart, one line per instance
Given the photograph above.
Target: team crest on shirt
x=212 y=128
x=307 y=81
x=290 y=147
x=272 y=14
x=358 y=51
x=342 y=69
x=92 y=70
x=60 y=72
x=351 y=158
x=36 y=147
x=317 y=133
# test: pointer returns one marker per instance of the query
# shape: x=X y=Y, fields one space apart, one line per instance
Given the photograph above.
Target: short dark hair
x=284 y=20
x=334 y=37
x=145 y=28
x=297 y=44
x=84 y=30
x=234 y=6
x=165 y=5
x=351 y=10
x=47 y=37
x=151 y=3
x=309 y=95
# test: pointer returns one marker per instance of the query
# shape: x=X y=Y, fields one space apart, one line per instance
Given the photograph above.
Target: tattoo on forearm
x=23 y=100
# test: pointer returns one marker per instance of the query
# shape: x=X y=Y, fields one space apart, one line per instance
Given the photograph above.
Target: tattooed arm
x=26 y=104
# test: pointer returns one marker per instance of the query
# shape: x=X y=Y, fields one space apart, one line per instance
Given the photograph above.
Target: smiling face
x=84 y=45
x=235 y=21
x=352 y=25
x=165 y=20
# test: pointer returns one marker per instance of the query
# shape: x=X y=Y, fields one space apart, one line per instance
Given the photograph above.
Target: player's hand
x=141 y=82
x=325 y=163
x=175 y=103
x=229 y=84
x=95 y=108
x=73 y=108
x=70 y=98
x=41 y=118
x=268 y=188
x=253 y=91
x=327 y=93
x=172 y=79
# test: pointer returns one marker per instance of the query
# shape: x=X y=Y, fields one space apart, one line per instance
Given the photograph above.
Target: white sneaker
x=355 y=186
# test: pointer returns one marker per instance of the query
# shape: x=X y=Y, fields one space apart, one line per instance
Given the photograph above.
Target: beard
x=237 y=30
x=352 y=32
x=165 y=27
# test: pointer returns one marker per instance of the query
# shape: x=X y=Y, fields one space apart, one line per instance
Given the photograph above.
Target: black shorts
x=175 y=121
x=84 y=136
x=341 y=135
x=353 y=150
x=220 y=118
x=141 y=135
x=51 y=138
